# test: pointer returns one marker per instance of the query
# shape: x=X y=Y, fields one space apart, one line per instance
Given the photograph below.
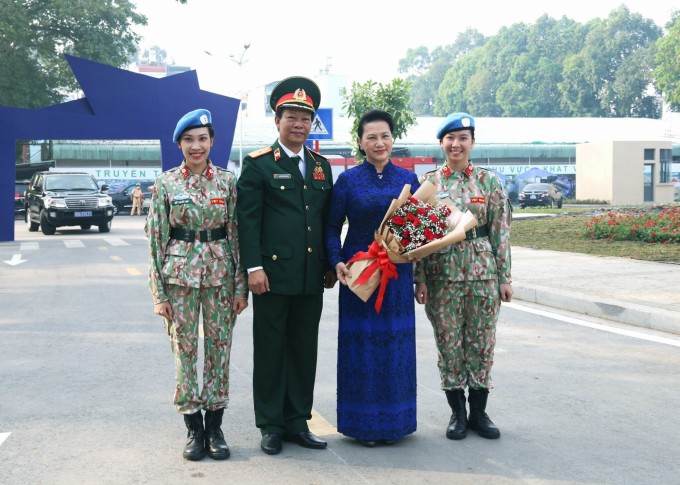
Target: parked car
x=120 y=195
x=540 y=194
x=19 y=198
x=55 y=199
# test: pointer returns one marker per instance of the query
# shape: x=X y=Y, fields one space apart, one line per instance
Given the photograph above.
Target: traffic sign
x=322 y=125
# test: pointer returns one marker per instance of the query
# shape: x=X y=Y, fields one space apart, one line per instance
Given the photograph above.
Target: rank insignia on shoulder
x=259 y=152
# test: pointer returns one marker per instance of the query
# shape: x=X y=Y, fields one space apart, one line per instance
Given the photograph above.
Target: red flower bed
x=655 y=227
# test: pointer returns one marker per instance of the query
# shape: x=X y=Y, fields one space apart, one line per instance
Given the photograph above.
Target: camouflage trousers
x=463 y=316
x=215 y=305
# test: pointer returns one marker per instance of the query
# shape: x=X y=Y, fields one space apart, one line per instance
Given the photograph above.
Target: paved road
x=86 y=380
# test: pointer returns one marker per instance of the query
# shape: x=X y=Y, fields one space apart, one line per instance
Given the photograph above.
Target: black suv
x=19 y=198
x=120 y=195
x=540 y=194
x=55 y=199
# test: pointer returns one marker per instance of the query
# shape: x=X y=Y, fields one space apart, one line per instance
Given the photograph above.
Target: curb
x=615 y=310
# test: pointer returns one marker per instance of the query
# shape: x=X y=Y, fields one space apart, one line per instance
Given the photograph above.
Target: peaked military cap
x=455 y=122
x=296 y=92
x=193 y=119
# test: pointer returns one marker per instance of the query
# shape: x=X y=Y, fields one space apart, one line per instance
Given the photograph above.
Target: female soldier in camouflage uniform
x=462 y=286
x=195 y=268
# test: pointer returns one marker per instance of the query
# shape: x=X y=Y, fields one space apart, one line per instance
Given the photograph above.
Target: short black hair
x=374 y=115
x=371 y=116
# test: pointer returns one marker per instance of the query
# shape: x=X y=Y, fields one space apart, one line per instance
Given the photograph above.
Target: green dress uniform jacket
x=281 y=218
x=281 y=225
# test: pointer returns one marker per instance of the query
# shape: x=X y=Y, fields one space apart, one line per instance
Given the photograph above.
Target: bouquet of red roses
x=414 y=226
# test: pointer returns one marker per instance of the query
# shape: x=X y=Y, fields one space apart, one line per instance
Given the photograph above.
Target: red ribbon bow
x=382 y=263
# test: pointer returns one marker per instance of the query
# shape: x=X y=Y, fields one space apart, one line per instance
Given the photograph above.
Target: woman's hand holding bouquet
x=414 y=226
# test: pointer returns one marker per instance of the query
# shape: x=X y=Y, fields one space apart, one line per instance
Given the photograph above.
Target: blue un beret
x=455 y=122
x=193 y=119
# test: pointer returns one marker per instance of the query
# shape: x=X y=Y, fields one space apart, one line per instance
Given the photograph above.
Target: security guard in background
x=284 y=192
x=195 y=269
x=137 y=197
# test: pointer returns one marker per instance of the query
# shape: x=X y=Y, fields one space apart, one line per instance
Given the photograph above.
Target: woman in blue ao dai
x=376 y=374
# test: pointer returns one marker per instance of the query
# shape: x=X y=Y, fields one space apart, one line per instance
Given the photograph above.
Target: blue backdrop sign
x=118 y=105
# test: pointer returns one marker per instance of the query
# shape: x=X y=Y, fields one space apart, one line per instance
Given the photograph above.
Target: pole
x=240 y=63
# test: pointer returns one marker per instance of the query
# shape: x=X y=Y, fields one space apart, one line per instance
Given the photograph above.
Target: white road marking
x=29 y=246
x=597 y=326
x=3 y=437
x=16 y=259
x=73 y=243
x=115 y=241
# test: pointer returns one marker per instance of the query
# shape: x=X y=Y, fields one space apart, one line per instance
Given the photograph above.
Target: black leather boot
x=195 y=447
x=457 y=429
x=214 y=438
x=479 y=420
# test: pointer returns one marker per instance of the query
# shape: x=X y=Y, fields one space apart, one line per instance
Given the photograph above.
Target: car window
x=536 y=187
x=70 y=182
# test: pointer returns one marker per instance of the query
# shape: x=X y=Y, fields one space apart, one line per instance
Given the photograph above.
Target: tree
x=610 y=75
x=427 y=70
x=667 y=71
x=35 y=35
x=393 y=98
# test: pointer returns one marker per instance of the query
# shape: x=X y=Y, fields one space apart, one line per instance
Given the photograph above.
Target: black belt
x=204 y=236
x=476 y=232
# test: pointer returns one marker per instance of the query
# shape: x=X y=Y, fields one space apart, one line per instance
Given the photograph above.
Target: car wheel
x=116 y=209
x=106 y=227
x=45 y=226
x=32 y=226
x=85 y=227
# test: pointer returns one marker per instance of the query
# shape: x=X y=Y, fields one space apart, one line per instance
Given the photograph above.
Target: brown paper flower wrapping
x=365 y=267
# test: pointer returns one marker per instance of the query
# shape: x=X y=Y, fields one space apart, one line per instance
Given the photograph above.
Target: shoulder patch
x=260 y=151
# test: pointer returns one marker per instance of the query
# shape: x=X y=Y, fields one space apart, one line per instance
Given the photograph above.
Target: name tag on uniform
x=182 y=198
x=217 y=201
x=278 y=176
x=477 y=200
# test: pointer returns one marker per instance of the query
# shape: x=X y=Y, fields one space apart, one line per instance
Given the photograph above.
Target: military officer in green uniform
x=284 y=192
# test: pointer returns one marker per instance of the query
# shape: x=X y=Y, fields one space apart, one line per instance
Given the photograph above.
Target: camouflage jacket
x=194 y=202
x=483 y=258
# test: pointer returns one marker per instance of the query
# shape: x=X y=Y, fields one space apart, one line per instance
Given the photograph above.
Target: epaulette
x=313 y=152
x=260 y=151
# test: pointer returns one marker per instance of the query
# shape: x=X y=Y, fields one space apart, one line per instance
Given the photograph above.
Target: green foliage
x=553 y=68
x=667 y=70
x=35 y=34
x=393 y=98
x=610 y=75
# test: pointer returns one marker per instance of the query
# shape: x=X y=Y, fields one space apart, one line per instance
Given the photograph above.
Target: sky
x=361 y=39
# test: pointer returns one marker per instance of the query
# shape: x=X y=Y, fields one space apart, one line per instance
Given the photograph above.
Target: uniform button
x=306 y=207
x=283 y=188
x=304 y=187
x=309 y=250
x=274 y=257
x=309 y=228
